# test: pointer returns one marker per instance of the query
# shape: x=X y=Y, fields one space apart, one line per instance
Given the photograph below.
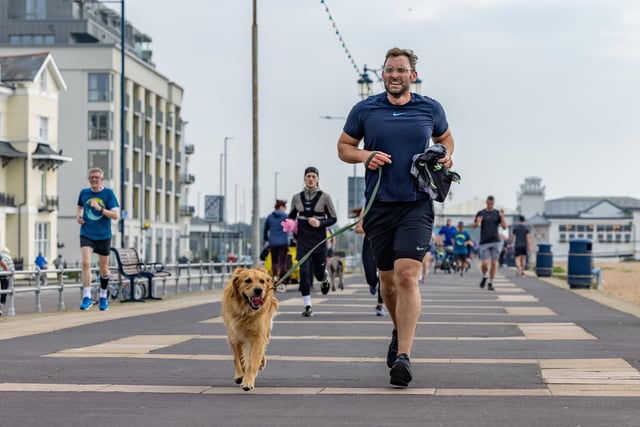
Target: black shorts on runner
x=460 y=257
x=399 y=230
x=101 y=247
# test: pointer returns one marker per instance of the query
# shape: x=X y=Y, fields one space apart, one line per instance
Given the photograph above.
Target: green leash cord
x=340 y=231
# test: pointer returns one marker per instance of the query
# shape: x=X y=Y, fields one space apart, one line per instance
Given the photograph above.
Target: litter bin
x=544 y=260
x=580 y=258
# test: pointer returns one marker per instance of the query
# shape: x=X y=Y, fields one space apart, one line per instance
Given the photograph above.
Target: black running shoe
x=308 y=311
x=326 y=284
x=324 y=287
x=392 y=354
x=490 y=287
x=401 y=371
x=483 y=282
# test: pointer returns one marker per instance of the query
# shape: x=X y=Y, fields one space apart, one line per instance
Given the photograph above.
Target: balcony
x=126 y=175
x=159 y=118
x=148 y=147
x=187 y=179
x=169 y=154
x=159 y=184
x=179 y=127
x=149 y=113
x=178 y=158
x=7 y=200
x=137 y=179
x=189 y=149
x=148 y=182
x=169 y=122
x=169 y=186
x=48 y=204
x=127 y=101
x=126 y=139
x=187 y=210
x=159 y=151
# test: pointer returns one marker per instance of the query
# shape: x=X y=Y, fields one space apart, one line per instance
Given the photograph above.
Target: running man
x=97 y=206
x=396 y=125
x=490 y=244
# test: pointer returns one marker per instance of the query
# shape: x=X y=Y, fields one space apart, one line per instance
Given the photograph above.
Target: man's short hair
x=490 y=198
x=95 y=169
x=521 y=218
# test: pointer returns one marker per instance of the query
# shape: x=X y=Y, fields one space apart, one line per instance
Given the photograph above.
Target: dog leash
x=341 y=230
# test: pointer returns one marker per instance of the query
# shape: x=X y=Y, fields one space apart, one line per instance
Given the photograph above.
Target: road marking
x=550 y=391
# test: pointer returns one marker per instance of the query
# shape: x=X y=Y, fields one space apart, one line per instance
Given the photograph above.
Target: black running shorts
x=101 y=247
x=399 y=230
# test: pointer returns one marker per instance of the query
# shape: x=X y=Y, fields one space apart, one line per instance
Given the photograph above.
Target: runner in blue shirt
x=461 y=247
x=395 y=125
x=447 y=231
x=97 y=206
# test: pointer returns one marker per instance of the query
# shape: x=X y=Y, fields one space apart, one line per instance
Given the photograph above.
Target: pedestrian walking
x=520 y=240
x=97 y=207
x=277 y=239
x=395 y=125
x=489 y=219
x=313 y=209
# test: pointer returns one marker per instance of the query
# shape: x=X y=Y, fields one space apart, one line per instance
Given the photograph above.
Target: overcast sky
x=546 y=88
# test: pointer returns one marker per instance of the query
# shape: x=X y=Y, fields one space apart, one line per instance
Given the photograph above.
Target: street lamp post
x=224 y=197
x=275 y=185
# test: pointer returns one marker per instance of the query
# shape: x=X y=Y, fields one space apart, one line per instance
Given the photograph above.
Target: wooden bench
x=130 y=266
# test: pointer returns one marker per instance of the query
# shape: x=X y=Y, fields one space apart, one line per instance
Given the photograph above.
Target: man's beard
x=398 y=94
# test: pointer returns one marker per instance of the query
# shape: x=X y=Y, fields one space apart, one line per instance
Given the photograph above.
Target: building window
x=100 y=125
x=563 y=237
x=35 y=9
x=627 y=238
x=43 y=128
x=100 y=87
x=42 y=238
x=100 y=159
x=31 y=39
x=44 y=83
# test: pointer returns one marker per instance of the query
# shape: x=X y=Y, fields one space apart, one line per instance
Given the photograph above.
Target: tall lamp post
x=224 y=197
x=275 y=185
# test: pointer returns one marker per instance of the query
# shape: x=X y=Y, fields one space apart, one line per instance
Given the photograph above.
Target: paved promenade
x=529 y=354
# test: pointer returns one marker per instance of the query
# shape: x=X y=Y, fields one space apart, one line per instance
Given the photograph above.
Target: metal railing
x=192 y=276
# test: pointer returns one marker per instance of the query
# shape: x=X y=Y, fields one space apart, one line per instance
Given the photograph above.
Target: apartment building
x=30 y=158
x=144 y=162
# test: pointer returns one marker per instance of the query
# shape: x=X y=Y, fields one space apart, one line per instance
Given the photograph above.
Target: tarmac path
x=527 y=354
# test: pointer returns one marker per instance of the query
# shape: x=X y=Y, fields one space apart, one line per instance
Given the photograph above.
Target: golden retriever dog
x=248 y=307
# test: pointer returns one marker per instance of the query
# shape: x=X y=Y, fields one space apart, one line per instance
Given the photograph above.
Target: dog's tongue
x=256 y=300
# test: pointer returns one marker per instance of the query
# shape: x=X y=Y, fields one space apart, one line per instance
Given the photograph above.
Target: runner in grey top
x=489 y=220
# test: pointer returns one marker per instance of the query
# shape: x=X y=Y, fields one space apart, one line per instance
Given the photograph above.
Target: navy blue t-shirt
x=400 y=131
x=96 y=226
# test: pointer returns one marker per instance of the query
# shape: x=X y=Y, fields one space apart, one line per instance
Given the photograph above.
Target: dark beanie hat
x=311 y=169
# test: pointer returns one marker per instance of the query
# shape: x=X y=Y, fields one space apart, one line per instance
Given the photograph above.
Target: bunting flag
x=340 y=39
